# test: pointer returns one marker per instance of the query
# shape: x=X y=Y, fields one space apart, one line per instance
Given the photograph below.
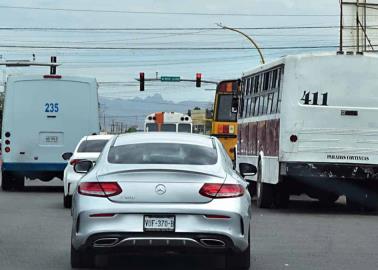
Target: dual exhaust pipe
x=113 y=241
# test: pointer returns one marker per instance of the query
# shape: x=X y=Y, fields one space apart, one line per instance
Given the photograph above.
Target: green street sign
x=170 y=78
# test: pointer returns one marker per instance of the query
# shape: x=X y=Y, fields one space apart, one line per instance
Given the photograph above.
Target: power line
x=167 y=13
x=166 y=28
x=166 y=48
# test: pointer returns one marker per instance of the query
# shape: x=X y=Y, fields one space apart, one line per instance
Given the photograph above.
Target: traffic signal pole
x=198 y=80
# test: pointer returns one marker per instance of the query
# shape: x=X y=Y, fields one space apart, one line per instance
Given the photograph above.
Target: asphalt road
x=35 y=234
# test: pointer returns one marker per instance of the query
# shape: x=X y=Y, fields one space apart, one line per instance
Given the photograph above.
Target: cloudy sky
x=115 y=40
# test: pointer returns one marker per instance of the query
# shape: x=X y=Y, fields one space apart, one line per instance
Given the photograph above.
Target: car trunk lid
x=157 y=185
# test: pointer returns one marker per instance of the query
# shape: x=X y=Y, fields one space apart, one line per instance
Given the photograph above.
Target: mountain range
x=132 y=112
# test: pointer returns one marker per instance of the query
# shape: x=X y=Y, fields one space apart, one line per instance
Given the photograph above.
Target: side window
x=265 y=104
x=266 y=81
x=245 y=107
x=256 y=112
x=275 y=79
x=247 y=86
x=250 y=89
x=256 y=85
x=270 y=103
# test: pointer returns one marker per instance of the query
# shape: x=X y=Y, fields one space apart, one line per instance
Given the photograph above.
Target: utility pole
x=341 y=26
x=262 y=59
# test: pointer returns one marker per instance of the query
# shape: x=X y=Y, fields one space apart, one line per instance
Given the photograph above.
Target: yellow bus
x=224 y=125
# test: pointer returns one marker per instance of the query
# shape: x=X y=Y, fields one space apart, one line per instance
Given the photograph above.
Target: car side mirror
x=67 y=155
x=247 y=169
x=83 y=166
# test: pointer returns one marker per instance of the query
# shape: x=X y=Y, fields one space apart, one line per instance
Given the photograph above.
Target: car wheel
x=6 y=181
x=239 y=260
x=81 y=259
x=67 y=201
x=264 y=191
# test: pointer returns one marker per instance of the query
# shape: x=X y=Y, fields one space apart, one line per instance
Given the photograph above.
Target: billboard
x=359 y=24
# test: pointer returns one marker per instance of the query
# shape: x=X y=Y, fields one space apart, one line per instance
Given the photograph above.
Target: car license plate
x=159 y=223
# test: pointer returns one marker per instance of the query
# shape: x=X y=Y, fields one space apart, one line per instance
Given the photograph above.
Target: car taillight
x=217 y=217
x=104 y=215
x=100 y=189
x=222 y=190
x=74 y=161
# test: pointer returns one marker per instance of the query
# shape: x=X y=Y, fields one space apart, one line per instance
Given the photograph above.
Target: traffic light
x=141 y=81
x=198 y=79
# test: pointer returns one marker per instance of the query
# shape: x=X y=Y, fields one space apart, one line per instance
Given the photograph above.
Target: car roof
x=98 y=137
x=164 y=137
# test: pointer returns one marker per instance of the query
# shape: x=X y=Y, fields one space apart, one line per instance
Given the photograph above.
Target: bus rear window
x=224 y=110
x=168 y=127
x=151 y=127
x=185 y=128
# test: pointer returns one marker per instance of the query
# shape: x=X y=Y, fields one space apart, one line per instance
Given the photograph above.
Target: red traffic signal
x=198 y=79
x=141 y=81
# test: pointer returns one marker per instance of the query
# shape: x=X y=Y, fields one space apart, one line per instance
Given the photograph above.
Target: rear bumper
x=159 y=242
x=330 y=170
x=33 y=167
x=190 y=222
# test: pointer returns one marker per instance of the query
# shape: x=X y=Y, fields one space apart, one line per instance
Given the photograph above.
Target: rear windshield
x=168 y=127
x=92 y=146
x=162 y=153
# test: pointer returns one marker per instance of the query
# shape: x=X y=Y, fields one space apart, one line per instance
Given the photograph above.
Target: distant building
x=201 y=124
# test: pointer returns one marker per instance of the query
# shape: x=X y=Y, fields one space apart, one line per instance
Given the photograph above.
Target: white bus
x=168 y=122
x=309 y=124
x=44 y=117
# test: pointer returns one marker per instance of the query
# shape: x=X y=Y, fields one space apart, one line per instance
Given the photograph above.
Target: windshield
x=224 y=110
x=162 y=153
x=92 y=146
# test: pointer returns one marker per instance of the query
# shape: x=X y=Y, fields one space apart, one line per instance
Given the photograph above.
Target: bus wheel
x=19 y=182
x=282 y=196
x=362 y=202
x=328 y=199
x=6 y=181
x=264 y=191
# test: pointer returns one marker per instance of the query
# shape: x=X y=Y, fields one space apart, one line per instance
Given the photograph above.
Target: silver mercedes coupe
x=165 y=192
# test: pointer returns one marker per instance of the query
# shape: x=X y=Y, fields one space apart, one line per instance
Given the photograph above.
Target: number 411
x=315 y=97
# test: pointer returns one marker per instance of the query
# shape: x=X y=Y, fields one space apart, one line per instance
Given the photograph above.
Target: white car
x=89 y=148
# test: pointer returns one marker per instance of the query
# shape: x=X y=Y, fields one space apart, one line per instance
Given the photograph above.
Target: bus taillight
x=223 y=129
x=293 y=138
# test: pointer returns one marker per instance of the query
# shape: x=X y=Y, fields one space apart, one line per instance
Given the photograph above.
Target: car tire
x=264 y=191
x=239 y=260
x=81 y=259
x=6 y=181
x=67 y=201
